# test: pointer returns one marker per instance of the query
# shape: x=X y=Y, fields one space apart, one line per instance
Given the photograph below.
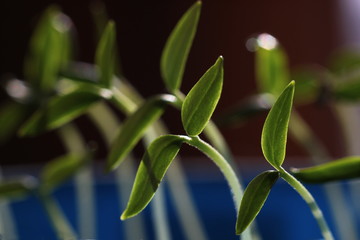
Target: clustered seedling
x=57 y=93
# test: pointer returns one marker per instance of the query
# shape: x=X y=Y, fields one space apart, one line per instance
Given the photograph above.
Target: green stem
x=345 y=221
x=107 y=122
x=306 y=195
x=74 y=143
x=226 y=169
x=58 y=220
x=7 y=224
x=223 y=165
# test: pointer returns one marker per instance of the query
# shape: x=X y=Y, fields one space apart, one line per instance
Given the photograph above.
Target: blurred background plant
x=321 y=93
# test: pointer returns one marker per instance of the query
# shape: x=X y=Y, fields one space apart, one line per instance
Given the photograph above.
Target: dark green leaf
x=307 y=85
x=19 y=187
x=246 y=110
x=61 y=110
x=12 y=115
x=177 y=48
x=341 y=169
x=152 y=169
x=135 y=127
x=271 y=65
x=345 y=61
x=274 y=133
x=105 y=55
x=201 y=101
x=50 y=49
x=60 y=170
x=254 y=198
x=347 y=91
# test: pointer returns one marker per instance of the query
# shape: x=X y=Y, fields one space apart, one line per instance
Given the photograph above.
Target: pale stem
x=58 y=220
x=108 y=124
x=345 y=221
x=74 y=143
x=226 y=169
x=7 y=224
x=306 y=195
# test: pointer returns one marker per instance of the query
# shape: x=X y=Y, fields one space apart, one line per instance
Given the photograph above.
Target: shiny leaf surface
x=61 y=110
x=177 y=48
x=271 y=65
x=50 y=49
x=254 y=198
x=341 y=169
x=274 y=133
x=201 y=101
x=152 y=169
x=135 y=126
x=105 y=55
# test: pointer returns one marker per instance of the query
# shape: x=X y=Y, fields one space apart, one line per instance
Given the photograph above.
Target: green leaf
x=60 y=170
x=50 y=49
x=105 y=55
x=177 y=48
x=19 y=187
x=274 y=133
x=12 y=116
x=308 y=86
x=61 y=110
x=348 y=91
x=254 y=198
x=201 y=101
x=246 y=110
x=341 y=169
x=345 y=61
x=135 y=126
x=272 y=71
x=152 y=169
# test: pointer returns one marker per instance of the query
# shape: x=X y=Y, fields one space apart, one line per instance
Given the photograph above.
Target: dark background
x=308 y=31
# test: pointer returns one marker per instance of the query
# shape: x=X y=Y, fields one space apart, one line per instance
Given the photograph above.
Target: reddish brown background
x=307 y=30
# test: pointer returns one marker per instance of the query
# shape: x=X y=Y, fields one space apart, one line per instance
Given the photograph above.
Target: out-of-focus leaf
x=12 y=115
x=152 y=169
x=201 y=101
x=341 y=169
x=272 y=70
x=345 y=61
x=135 y=126
x=307 y=85
x=105 y=55
x=19 y=187
x=247 y=109
x=177 y=48
x=60 y=170
x=274 y=133
x=347 y=91
x=50 y=49
x=62 y=109
x=254 y=198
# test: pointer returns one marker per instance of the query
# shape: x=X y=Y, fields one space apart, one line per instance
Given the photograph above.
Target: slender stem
x=345 y=221
x=223 y=165
x=61 y=226
x=226 y=169
x=188 y=214
x=74 y=143
x=306 y=195
x=107 y=122
x=7 y=224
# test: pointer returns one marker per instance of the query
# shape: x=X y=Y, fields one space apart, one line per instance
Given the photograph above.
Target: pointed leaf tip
x=254 y=198
x=152 y=169
x=177 y=48
x=274 y=134
x=201 y=101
